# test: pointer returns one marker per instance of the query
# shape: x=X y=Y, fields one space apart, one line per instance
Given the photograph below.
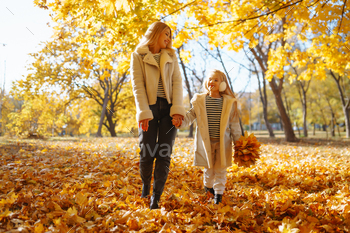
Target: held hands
x=177 y=120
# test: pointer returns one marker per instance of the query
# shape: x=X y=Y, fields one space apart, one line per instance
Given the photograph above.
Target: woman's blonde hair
x=223 y=78
x=152 y=35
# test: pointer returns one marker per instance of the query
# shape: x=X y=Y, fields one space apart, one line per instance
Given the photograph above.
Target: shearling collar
x=166 y=56
x=145 y=50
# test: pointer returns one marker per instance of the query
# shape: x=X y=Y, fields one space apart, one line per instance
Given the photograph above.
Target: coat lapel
x=164 y=58
x=149 y=59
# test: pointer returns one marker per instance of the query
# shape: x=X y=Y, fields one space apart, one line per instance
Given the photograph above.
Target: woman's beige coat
x=229 y=130
x=145 y=74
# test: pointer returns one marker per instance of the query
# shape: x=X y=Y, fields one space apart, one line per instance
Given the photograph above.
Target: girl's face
x=214 y=83
x=164 y=38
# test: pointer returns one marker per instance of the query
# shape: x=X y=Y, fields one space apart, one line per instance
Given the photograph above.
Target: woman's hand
x=143 y=124
x=177 y=120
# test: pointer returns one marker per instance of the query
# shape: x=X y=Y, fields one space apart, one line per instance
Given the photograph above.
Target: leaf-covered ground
x=94 y=186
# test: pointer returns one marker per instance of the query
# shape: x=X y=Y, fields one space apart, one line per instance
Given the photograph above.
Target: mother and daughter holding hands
x=158 y=92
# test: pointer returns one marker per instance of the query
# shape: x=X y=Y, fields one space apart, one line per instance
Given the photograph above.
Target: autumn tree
x=41 y=115
x=59 y=66
x=85 y=115
x=262 y=88
x=331 y=104
x=298 y=91
x=257 y=111
x=328 y=48
x=105 y=32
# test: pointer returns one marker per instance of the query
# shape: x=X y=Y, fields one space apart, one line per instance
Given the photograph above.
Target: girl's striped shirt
x=160 y=91
x=214 y=109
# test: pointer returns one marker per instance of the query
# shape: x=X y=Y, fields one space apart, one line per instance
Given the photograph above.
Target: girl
x=217 y=125
x=157 y=88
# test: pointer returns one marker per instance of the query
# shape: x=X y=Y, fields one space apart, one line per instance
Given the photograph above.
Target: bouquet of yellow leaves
x=247 y=150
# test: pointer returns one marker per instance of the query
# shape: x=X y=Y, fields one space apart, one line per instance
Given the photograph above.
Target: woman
x=157 y=87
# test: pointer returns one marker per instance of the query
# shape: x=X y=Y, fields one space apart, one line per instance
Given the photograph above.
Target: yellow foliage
x=185 y=56
x=39 y=116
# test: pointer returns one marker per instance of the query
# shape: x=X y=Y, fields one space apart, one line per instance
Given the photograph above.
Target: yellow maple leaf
x=81 y=199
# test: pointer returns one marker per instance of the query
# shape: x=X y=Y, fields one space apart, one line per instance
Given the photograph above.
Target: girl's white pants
x=215 y=177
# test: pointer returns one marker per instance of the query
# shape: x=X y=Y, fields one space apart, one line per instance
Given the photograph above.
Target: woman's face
x=164 y=38
x=214 y=83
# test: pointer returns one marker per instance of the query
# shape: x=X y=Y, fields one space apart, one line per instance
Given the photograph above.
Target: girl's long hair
x=223 y=78
x=152 y=35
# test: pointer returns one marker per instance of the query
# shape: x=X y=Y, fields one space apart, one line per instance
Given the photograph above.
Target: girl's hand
x=177 y=120
x=143 y=124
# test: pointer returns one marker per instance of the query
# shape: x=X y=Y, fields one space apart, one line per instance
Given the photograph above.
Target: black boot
x=145 y=190
x=211 y=190
x=154 y=202
x=217 y=198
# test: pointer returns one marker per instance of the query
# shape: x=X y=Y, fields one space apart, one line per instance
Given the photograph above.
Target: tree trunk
x=263 y=98
x=332 y=127
x=287 y=125
x=111 y=123
x=104 y=107
x=303 y=87
x=304 y=122
x=324 y=126
x=262 y=61
x=268 y=125
x=332 y=117
x=188 y=87
x=345 y=105
x=281 y=123
x=347 y=120
x=314 y=130
x=288 y=129
x=304 y=103
x=298 y=130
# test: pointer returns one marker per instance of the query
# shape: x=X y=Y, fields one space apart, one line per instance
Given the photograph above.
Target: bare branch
x=249 y=18
x=186 y=5
x=342 y=16
x=207 y=51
